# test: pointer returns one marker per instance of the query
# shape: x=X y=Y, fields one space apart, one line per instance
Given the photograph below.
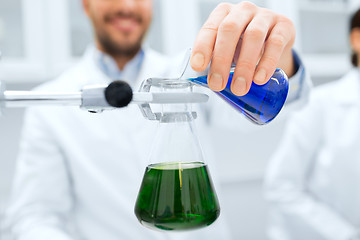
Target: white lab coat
x=69 y=156
x=313 y=180
x=78 y=173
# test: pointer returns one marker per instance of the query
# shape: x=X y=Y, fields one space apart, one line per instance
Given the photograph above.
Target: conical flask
x=260 y=105
x=176 y=192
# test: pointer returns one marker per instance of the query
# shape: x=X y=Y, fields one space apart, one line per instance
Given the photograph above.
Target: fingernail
x=215 y=82
x=239 y=86
x=260 y=76
x=197 y=61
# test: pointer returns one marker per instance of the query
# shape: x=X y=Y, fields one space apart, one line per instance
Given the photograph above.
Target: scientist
x=78 y=174
x=313 y=180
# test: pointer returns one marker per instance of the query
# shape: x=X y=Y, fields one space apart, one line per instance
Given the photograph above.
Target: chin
x=127 y=40
x=120 y=43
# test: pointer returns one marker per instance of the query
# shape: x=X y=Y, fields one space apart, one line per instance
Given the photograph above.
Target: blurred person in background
x=313 y=179
x=78 y=174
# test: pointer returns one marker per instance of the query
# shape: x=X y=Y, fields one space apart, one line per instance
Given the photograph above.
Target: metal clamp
x=184 y=97
x=93 y=99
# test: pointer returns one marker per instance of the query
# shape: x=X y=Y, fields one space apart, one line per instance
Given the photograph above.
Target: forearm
x=300 y=85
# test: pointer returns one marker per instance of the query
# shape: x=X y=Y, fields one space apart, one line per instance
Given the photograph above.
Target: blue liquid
x=262 y=103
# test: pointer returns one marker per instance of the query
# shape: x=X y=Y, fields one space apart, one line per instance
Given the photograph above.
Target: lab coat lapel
x=156 y=65
x=151 y=67
x=92 y=72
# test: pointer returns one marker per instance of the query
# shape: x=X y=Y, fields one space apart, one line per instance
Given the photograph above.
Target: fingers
x=274 y=47
x=205 y=40
x=228 y=36
x=264 y=37
x=251 y=48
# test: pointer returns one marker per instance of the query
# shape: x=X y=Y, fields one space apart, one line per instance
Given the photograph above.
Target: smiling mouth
x=124 y=23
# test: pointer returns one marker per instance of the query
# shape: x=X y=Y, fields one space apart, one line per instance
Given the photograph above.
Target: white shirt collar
x=109 y=67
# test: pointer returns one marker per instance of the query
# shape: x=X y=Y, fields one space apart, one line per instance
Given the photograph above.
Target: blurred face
x=119 y=25
x=355 y=42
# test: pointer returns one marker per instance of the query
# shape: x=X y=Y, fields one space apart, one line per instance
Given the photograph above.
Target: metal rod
x=33 y=98
x=168 y=98
x=97 y=98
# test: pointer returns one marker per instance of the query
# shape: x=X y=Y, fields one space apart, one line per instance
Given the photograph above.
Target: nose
x=126 y=5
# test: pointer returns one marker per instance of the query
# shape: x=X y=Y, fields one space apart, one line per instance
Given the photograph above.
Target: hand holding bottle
x=256 y=39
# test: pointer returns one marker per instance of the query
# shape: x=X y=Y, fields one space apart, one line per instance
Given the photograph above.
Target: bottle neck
x=176 y=140
x=189 y=73
x=179 y=112
x=173 y=117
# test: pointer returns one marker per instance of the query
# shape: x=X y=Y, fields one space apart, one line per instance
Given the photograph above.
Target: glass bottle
x=260 y=105
x=176 y=192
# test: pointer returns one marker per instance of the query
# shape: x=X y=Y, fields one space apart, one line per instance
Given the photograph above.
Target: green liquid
x=177 y=196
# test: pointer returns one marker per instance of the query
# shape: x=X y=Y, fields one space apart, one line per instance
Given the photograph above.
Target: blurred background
x=39 y=39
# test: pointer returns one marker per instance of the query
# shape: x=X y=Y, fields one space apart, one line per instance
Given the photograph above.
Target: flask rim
x=170 y=83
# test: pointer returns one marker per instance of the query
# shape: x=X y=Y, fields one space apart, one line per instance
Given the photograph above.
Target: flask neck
x=173 y=117
x=178 y=112
x=189 y=73
x=176 y=140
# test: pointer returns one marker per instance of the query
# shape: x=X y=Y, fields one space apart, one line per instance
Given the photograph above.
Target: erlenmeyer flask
x=176 y=192
x=260 y=105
